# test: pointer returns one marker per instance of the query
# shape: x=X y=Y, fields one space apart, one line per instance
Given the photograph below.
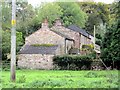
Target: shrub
x=98 y=42
x=88 y=46
x=73 y=67
x=6 y=65
x=72 y=62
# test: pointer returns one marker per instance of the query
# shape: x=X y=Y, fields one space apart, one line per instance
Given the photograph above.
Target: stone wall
x=72 y=34
x=44 y=37
x=35 y=61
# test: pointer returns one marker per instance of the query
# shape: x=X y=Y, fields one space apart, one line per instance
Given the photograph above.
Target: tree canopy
x=51 y=11
x=98 y=13
x=71 y=15
x=6 y=43
x=111 y=41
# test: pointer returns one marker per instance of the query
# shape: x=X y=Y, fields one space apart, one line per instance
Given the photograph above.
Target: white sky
x=38 y=2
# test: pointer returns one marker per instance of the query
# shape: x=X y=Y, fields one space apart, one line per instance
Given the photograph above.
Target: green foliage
x=92 y=55
x=98 y=42
x=24 y=16
x=97 y=13
x=89 y=50
x=51 y=11
x=114 y=12
x=98 y=36
x=91 y=75
x=110 y=47
x=62 y=79
x=6 y=42
x=6 y=18
x=48 y=83
x=5 y=65
x=72 y=62
x=88 y=46
x=73 y=14
x=45 y=45
x=100 y=31
x=19 y=40
x=111 y=41
x=22 y=79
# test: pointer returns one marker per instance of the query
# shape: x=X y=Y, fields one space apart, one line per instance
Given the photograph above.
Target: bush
x=72 y=62
x=98 y=42
x=88 y=46
x=6 y=65
x=73 y=67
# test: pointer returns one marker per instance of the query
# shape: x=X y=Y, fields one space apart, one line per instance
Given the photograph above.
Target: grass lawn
x=61 y=79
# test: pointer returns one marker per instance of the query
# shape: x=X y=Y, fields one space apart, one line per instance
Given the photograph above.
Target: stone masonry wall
x=35 y=61
x=72 y=34
x=44 y=36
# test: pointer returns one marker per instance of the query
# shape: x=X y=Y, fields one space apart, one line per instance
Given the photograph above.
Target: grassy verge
x=61 y=79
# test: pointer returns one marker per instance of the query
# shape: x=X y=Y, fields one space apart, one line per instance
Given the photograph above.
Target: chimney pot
x=45 y=24
x=57 y=22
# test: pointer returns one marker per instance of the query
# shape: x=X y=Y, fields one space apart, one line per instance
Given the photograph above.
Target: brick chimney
x=57 y=22
x=45 y=24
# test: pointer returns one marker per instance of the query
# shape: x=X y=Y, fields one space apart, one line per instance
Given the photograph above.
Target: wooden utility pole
x=13 y=42
x=94 y=37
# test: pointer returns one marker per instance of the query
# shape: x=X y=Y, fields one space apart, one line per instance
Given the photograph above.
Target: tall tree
x=111 y=41
x=72 y=14
x=98 y=13
x=6 y=15
x=6 y=42
x=25 y=14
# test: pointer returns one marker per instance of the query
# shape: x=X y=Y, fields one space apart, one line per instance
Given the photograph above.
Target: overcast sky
x=38 y=2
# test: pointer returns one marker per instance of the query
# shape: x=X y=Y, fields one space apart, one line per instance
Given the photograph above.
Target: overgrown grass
x=61 y=79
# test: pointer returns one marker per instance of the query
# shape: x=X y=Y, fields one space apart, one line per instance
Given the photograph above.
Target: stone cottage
x=42 y=45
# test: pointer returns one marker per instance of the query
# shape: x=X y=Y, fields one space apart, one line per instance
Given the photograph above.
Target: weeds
x=22 y=79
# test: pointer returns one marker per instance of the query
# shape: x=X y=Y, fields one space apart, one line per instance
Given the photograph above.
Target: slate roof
x=28 y=49
x=77 y=29
x=61 y=34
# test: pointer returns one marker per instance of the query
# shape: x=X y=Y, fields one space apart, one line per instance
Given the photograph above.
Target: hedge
x=72 y=62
